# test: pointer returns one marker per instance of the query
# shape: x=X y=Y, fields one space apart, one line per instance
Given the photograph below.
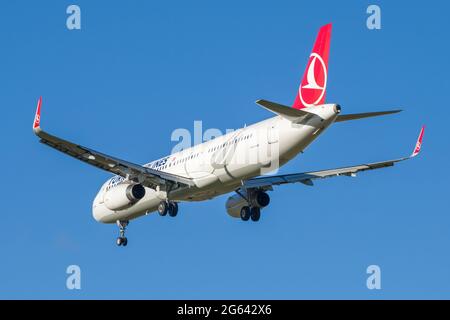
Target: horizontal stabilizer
x=284 y=111
x=356 y=116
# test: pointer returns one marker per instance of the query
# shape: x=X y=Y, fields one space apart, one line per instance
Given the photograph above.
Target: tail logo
x=313 y=90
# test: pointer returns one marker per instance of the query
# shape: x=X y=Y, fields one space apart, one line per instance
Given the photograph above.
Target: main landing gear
x=257 y=200
x=122 y=240
x=250 y=212
x=168 y=207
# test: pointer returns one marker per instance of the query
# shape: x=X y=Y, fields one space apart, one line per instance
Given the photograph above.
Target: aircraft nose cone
x=96 y=214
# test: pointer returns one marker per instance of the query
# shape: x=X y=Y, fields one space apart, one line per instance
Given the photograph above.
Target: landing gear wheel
x=255 y=213
x=245 y=213
x=173 y=209
x=122 y=241
x=163 y=207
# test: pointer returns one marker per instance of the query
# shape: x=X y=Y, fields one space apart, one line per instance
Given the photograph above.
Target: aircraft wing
x=308 y=177
x=146 y=176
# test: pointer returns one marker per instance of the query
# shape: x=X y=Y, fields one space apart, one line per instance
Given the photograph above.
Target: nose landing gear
x=122 y=240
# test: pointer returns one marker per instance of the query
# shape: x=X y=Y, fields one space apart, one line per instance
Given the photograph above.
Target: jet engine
x=236 y=202
x=123 y=196
x=234 y=205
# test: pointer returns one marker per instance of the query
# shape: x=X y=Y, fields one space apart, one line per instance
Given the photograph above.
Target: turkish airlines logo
x=312 y=89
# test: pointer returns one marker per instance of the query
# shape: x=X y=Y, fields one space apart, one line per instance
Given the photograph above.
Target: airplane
x=233 y=163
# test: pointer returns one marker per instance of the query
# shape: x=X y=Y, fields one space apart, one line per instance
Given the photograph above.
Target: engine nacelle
x=235 y=203
x=260 y=199
x=123 y=196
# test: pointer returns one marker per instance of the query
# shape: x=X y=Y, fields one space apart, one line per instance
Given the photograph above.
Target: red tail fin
x=313 y=87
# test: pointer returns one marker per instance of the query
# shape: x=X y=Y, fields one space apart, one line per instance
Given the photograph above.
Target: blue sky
x=138 y=70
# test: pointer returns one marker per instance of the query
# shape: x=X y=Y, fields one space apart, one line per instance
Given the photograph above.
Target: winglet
x=37 y=117
x=418 y=143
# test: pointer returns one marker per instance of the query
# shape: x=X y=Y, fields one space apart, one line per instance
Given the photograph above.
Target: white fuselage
x=218 y=166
